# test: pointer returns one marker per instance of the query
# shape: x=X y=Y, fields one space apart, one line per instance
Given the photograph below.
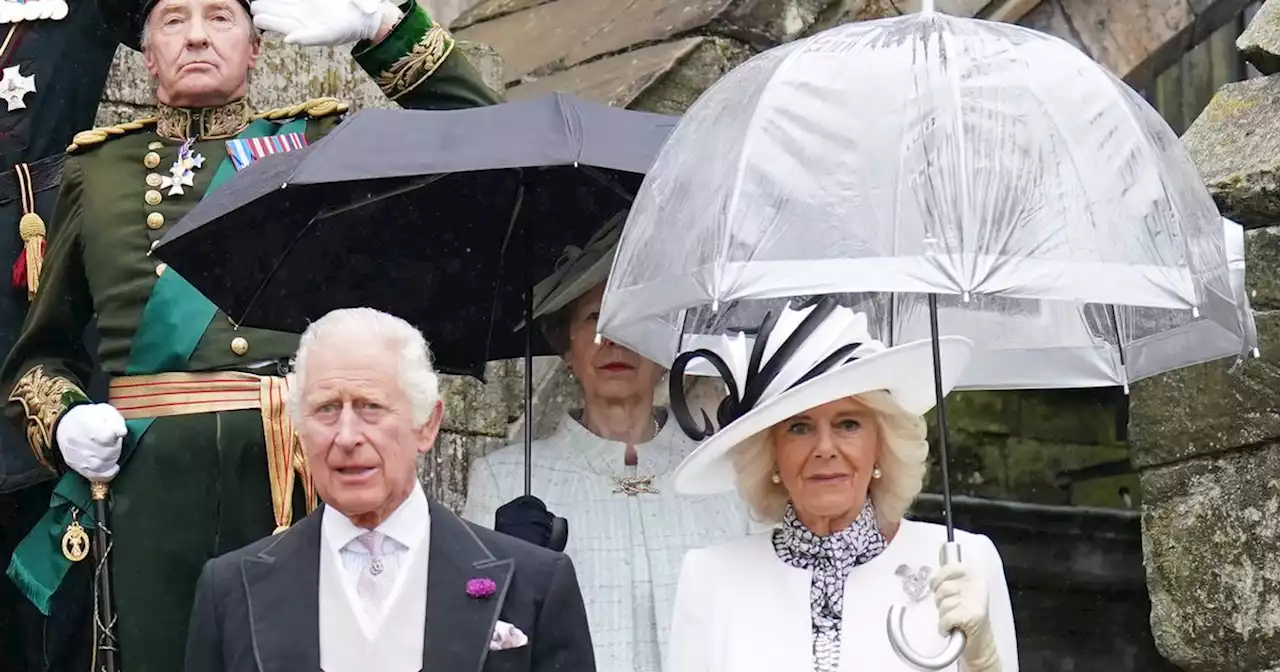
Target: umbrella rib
x=327 y=212
x=604 y=179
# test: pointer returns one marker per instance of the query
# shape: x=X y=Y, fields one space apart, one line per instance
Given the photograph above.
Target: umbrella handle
x=897 y=632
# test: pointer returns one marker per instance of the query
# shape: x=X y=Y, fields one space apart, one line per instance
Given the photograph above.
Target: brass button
x=155 y=220
x=239 y=345
x=152 y=197
x=151 y=160
x=154 y=179
x=160 y=268
x=155 y=145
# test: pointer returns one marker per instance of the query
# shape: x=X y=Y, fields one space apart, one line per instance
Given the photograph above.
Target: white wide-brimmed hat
x=802 y=358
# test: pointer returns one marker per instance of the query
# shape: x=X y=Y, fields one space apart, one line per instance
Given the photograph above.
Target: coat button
x=152 y=197
x=155 y=220
x=239 y=345
x=151 y=160
x=154 y=179
x=155 y=145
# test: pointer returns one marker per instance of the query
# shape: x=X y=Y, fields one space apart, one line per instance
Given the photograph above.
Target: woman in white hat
x=822 y=433
x=607 y=470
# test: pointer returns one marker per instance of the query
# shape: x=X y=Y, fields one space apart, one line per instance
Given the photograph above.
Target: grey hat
x=580 y=270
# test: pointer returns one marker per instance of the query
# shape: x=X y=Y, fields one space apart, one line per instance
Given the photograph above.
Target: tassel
x=32 y=230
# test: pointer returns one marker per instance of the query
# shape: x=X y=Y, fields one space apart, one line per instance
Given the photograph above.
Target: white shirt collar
x=408 y=525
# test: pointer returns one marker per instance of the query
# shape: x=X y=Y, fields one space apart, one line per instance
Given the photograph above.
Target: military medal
x=182 y=172
x=244 y=151
x=14 y=87
x=75 y=543
x=13 y=11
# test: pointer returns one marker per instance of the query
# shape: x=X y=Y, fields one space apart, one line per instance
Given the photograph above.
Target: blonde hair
x=901 y=456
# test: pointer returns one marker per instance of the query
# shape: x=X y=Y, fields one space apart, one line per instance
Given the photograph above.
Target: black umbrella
x=422 y=214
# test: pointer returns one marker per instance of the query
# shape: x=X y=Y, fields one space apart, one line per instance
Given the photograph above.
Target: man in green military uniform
x=195 y=442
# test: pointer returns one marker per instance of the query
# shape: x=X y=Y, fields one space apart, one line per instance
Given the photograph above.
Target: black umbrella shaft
x=528 y=361
x=104 y=619
x=942 y=415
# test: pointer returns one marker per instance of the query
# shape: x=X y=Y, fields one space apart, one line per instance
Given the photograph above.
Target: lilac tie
x=372 y=586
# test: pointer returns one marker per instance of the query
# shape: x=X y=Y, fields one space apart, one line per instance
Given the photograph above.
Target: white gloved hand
x=90 y=437
x=322 y=22
x=961 y=596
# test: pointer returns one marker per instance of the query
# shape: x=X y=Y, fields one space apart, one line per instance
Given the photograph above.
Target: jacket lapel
x=459 y=626
x=282 y=587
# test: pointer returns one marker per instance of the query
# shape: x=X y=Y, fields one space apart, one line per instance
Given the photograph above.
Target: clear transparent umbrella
x=1019 y=343
x=964 y=162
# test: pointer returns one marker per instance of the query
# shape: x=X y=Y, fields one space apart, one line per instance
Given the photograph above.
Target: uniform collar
x=203 y=123
x=408 y=525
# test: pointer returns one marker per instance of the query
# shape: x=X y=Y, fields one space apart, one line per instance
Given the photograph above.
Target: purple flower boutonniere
x=481 y=588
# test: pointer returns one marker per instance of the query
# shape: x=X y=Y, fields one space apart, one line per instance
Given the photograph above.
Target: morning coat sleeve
x=562 y=639
x=45 y=372
x=418 y=66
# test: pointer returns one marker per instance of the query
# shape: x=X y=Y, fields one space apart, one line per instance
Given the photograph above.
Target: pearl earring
x=775 y=478
x=876 y=473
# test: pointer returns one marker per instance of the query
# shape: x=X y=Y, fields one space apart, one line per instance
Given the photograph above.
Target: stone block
x=676 y=90
x=848 y=11
x=491 y=9
x=1260 y=41
x=616 y=80
x=443 y=471
x=1235 y=144
x=1262 y=267
x=1134 y=38
x=1207 y=409
x=574 y=32
x=767 y=23
x=1211 y=545
x=962 y=8
x=1048 y=17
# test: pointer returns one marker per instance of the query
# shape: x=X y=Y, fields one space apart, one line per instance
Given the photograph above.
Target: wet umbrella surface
x=422 y=214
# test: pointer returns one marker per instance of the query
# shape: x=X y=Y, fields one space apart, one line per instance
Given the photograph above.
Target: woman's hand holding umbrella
x=962 y=599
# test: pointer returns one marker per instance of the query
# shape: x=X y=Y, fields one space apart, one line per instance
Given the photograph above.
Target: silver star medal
x=182 y=172
x=14 y=87
x=914 y=583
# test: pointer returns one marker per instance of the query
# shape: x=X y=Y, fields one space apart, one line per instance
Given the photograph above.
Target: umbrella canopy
x=422 y=214
x=920 y=154
x=1019 y=343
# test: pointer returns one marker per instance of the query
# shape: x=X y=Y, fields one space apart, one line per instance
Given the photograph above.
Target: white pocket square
x=507 y=636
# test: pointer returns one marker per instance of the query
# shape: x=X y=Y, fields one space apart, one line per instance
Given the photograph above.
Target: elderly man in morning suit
x=381 y=578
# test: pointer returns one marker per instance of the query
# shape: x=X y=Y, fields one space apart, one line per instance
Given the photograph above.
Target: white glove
x=90 y=437
x=322 y=22
x=962 y=601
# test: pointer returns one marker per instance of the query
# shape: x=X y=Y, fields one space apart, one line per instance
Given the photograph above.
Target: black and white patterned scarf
x=830 y=558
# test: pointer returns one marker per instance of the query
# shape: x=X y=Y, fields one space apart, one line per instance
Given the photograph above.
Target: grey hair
x=417 y=375
x=901 y=456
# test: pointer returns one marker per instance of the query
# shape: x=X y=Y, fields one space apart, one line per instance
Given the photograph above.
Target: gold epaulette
x=311 y=109
x=97 y=136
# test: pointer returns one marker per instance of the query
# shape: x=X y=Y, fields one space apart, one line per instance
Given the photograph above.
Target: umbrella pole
x=942 y=416
x=896 y=619
x=104 y=615
x=528 y=364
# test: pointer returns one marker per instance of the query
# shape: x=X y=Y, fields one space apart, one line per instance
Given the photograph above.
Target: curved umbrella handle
x=898 y=636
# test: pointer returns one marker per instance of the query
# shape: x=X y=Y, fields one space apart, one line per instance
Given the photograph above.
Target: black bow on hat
x=759 y=374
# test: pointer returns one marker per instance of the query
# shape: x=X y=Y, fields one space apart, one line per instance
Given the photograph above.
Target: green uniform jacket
x=112 y=210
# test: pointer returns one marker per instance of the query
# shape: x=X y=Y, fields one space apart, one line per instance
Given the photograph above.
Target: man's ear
x=431 y=428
